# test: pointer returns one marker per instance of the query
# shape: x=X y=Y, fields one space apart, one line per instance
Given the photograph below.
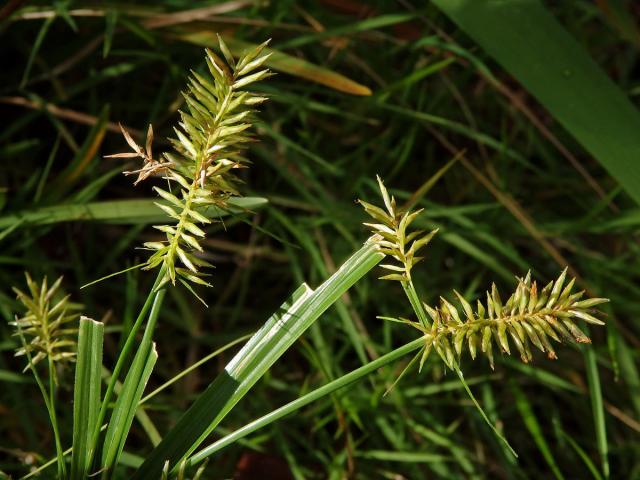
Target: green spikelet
x=526 y=320
x=213 y=131
x=392 y=237
x=49 y=325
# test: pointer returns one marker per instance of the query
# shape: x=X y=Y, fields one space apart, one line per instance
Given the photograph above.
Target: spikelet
x=528 y=318
x=181 y=474
x=213 y=131
x=392 y=238
x=49 y=325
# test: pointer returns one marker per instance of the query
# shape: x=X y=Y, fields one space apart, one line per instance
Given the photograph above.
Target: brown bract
x=150 y=166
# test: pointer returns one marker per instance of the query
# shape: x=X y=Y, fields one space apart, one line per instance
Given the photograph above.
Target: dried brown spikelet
x=150 y=166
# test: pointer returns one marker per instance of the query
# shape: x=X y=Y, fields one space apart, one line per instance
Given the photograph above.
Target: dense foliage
x=362 y=88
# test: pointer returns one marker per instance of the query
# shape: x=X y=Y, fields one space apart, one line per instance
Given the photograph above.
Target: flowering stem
x=412 y=295
x=48 y=402
x=54 y=419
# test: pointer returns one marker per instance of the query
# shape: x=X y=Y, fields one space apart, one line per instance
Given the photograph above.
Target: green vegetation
x=506 y=133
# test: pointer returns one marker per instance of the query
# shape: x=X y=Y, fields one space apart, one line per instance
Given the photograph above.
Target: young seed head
x=519 y=324
x=48 y=327
x=210 y=136
x=392 y=235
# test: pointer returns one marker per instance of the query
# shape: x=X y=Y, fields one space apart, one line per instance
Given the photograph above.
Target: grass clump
x=437 y=115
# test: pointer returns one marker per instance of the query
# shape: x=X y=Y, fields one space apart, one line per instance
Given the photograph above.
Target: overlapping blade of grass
x=279 y=61
x=255 y=358
x=135 y=211
x=125 y=410
x=131 y=393
x=306 y=399
x=86 y=394
x=534 y=47
x=532 y=424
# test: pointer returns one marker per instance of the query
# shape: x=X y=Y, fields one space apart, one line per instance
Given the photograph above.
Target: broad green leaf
x=86 y=394
x=534 y=47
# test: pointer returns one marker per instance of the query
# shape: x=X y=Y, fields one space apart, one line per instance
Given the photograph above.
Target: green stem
x=310 y=397
x=62 y=470
x=122 y=358
x=482 y=412
x=47 y=403
x=418 y=308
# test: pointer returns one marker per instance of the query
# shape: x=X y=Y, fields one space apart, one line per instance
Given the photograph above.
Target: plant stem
x=418 y=308
x=48 y=404
x=310 y=397
x=412 y=295
x=62 y=470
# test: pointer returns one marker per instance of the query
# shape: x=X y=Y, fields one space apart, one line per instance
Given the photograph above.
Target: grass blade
x=281 y=62
x=118 y=212
x=306 y=399
x=252 y=362
x=42 y=33
x=125 y=409
x=131 y=393
x=534 y=47
x=597 y=408
x=583 y=455
x=86 y=395
x=89 y=150
x=532 y=424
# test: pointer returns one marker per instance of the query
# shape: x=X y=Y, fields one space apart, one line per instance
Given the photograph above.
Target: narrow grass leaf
x=69 y=176
x=128 y=212
x=111 y=19
x=313 y=396
x=597 y=408
x=125 y=409
x=583 y=455
x=86 y=394
x=532 y=424
x=280 y=62
x=131 y=393
x=252 y=362
x=42 y=33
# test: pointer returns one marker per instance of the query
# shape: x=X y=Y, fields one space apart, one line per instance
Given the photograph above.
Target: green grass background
x=541 y=126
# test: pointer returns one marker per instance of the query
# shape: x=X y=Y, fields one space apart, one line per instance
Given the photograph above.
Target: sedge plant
x=198 y=183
